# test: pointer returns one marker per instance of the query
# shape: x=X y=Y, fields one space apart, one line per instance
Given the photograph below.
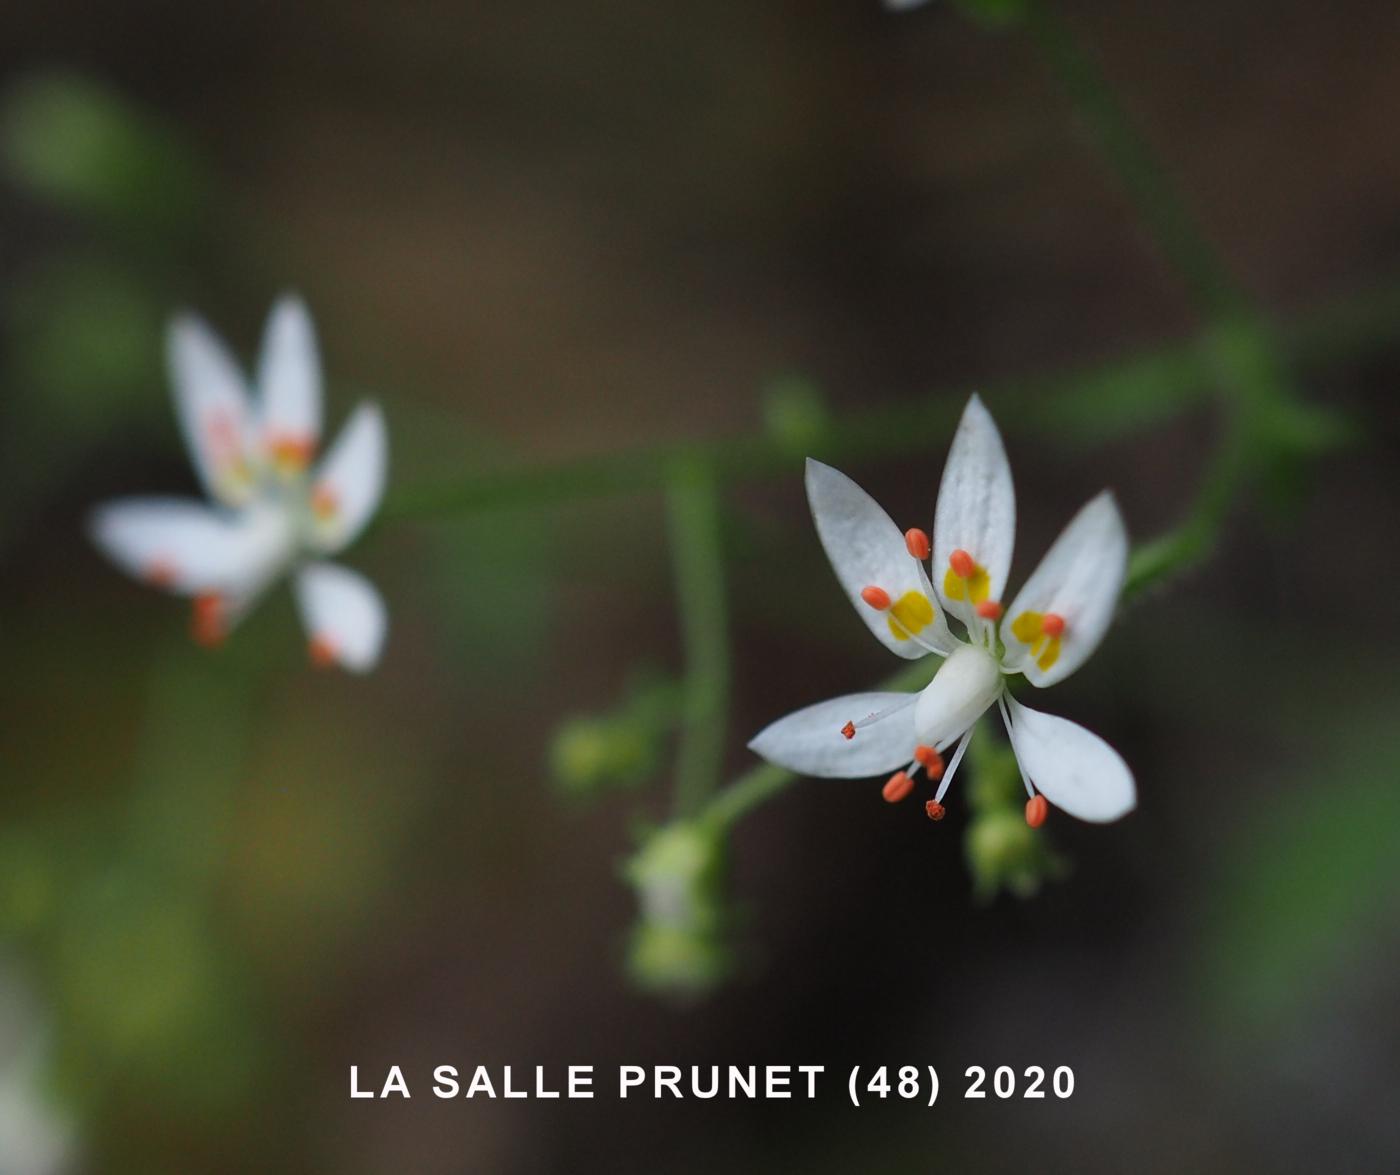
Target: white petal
x=1076 y=769
x=344 y=615
x=867 y=549
x=289 y=382
x=810 y=741
x=1079 y=581
x=182 y=546
x=976 y=509
x=211 y=401
x=350 y=481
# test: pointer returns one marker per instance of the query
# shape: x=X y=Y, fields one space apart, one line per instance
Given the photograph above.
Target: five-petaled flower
x=271 y=509
x=1056 y=620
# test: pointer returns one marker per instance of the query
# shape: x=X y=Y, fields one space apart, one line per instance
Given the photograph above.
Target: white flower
x=270 y=511
x=1056 y=620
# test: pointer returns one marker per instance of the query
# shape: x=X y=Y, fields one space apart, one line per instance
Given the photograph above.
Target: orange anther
x=322 y=652
x=324 y=502
x=207 y=625
x=849 y=731
x=897 y=787
x=989 y=610
x=930 y=760
x=291 y=451
x=917 y=543
x=1052 y=625
x=1036 y=811
x=961 y=563
x=161 y=574
x=877 y=598
x=934 y=810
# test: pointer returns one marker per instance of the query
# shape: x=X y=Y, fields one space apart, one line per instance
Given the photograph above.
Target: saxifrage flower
x=1054 y=623
x=272 y=508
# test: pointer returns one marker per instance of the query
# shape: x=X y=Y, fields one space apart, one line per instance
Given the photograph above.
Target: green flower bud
x=589 y=754
x=679 y=942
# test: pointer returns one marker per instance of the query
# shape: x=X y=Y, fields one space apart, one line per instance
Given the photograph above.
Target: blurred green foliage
x=1309 y=879
x=82 y=147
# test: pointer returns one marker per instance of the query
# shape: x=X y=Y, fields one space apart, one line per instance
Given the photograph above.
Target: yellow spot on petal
x=910 y=615
x=1029 y=629
x=976 y=587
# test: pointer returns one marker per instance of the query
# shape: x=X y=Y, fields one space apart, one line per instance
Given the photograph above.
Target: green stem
x=693 y=506
x=1121 y=397
x=1147 y=183
x=1249 y=370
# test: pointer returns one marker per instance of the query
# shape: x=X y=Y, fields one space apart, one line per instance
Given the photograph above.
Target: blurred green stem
x=1085 y=405
x=693 y=511
x=1147 y=183
x=1251 y=375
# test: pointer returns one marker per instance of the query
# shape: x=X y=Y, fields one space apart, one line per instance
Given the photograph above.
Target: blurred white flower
x=35 y=1136
x=1056 y=620
x=271 y=510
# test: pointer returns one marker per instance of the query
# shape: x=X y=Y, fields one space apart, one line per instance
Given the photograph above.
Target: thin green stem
x=1147 y=183
x=693 y=510
x=1085 y=405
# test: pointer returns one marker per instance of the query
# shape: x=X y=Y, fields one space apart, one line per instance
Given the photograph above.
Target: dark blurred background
x=541 y=232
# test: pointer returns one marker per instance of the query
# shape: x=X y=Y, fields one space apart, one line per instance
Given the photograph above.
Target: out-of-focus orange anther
x=1052 y=625
x=917 y=543
x=848 y=731
x=961 y=563
x=934 y=810
x=897 y=787
x=989 y=610
x=324 y=502
x=876 y=597
x=290 y=451
x=322 y=652
x=930 y=760
x=1036 y=811
x=161 y=574
x=208 y=626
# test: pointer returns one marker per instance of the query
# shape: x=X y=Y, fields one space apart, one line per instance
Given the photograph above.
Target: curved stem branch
x=693 y=508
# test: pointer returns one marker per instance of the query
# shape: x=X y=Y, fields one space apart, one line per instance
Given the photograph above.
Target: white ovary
x=966 y=684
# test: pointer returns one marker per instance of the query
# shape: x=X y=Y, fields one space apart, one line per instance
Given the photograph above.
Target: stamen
x=1052 y=625
x=849 y=731
x=875 y=715
x=322 y=652
x=989 y=610
x=934 y=810
x=962 y=564
x=1036 y=811
x=917 y=543
x=930 y=760
x=207 y=625
x=876 y=597
x=897 y=787
x=953 y=765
